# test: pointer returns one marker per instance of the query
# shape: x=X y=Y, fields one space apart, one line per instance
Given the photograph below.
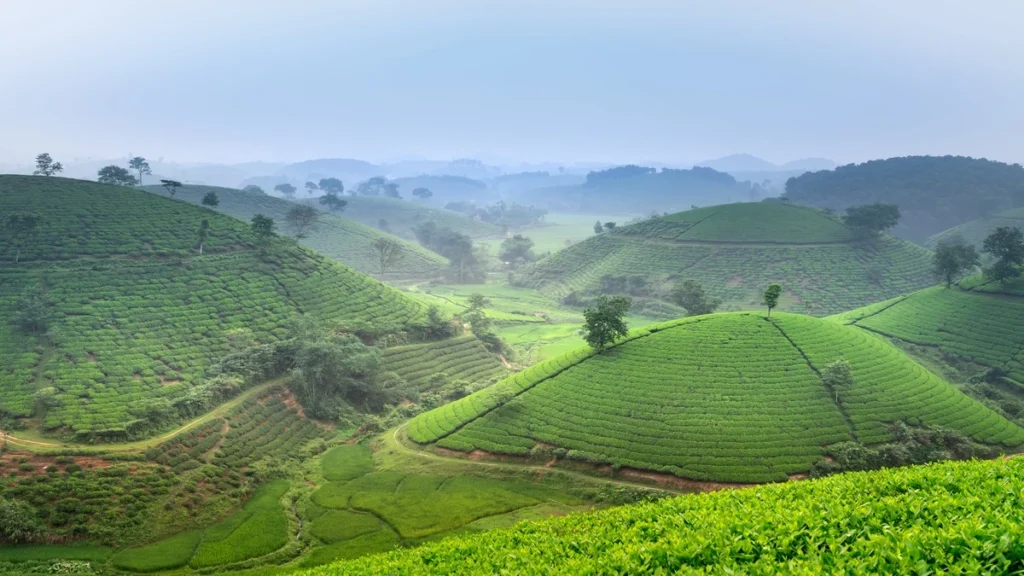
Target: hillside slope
x=735 y=250
x=726 y=397
x=975 y=231
x=934 y=193
x=950 y=518
x=402 y=216
x=974 y=325
x=137 y=314
x=334 y=236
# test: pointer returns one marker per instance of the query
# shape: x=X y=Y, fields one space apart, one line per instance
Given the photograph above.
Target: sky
x=671 y=81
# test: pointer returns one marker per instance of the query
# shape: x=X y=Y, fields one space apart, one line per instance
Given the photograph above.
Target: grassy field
x=736 y=250
x=978 y=327
x=975 y=231
x=334 y=236
x=951 y=518
x=137 y=314
x=728 y=397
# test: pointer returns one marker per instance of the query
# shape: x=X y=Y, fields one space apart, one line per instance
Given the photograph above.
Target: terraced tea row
x=975 y=231
x=728 y=397
x=951 y=518
x=334 y=236
x=463 y=359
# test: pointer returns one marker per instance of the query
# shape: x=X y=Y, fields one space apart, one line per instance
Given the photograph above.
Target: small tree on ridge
x=771 y=297
x=45 y=166
x=605 y=321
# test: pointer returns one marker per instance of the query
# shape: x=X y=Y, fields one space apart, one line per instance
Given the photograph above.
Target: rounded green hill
x=735 y=250
x=975 y=231
x=726 y=397
x=137 y=315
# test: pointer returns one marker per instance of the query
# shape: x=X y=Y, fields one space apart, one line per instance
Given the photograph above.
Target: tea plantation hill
x=731 y=397
x=976 y=321
x=334 y=236
x=138 y=314
x=735 y=250
x=975 y=231
x=404 y=215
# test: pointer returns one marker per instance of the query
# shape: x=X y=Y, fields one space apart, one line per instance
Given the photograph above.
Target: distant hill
x=402 y=216
x=809 y=164
x=641 y=190
x=736 y=250
x=137 y=315
x=729 y=397
x=334 y=236
x=446 y=189
x=738 y=163
x=975 y=231
x=934 y=193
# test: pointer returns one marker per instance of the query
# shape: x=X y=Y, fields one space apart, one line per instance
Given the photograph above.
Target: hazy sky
x=564 y=80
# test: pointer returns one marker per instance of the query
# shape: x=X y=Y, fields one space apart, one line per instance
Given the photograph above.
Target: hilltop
x=735 y=250
x=135 y=314
x=933 y=193
x=975 y=231
x=334 y=236
x=730 y=397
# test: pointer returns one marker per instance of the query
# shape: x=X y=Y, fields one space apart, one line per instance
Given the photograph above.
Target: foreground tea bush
x=954 y=518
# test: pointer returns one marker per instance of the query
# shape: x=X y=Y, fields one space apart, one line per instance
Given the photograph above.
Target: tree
x=422 y=193
x=171 y=186
x=691 y=296
x=478 y=320
x=837 y=376
x=19 y=522
x=45 y=166
x=952 y=261
x=211 y=199
x=204 y=233
x=605 y=322
x=598 y=228
x=140 y=165
x=262 y=228
x=333 y=202
x=771 y=297
x=872 y=218
x=332 y=185
x=372 y=187
x=311 y=187
x=302 y=219
x=391 y=191
x=253 y=189
x=116 y=175
x=387 y=253
x=32 y=313
x=287 y=190
x=516 y=250
x=1006 y=245
x=20 y=227
x=609 y=226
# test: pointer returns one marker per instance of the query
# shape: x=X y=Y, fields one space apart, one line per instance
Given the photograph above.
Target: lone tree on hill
x=263 y=229
x=691 y=296
x=422 y=193
x=286 y=189
x=332 y=185
x=204 y=233
x=45 y=166
x=116 y=175
x=838 y=377
x=171 y=186
x=140 y=165
x=388 y=253
x=20 y=226
x=333 y=202
x=952 y=261
x=311 y=187
x=872 y=218
x=302 y=219
x=1006 y=244
x=771 y=297
x=609 y=226
x=211 y=199
x=598 y=228
x=253 y=189
x=605 y=322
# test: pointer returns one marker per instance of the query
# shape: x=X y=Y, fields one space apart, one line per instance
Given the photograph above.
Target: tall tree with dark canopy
x=771 y=297
x=140 y=165
x=20 y=226
x=302 y=219
x=45 y=166
x=953 y=261
x=422 y=193
x=332 y=186
x=388 y=253
x=171 y=186
x=263 y=229
x=287 y=190
x=333 y=202
x=116 y=175
x=872 y=218
x=311 y=187
x=517 y=250
x=211 y=199
x=1006 y=245
x=605 y=322
x=691 y=296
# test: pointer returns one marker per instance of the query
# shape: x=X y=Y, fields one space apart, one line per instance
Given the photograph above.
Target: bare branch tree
x=302 y=219
x=388 y=254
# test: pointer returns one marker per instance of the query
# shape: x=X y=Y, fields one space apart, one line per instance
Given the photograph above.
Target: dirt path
x=35 y=445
